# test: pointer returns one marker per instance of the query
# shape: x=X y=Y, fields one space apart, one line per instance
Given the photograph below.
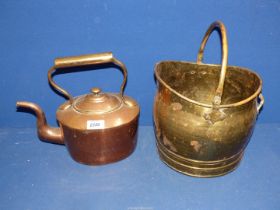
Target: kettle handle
x=85 y=60
x=223 y=35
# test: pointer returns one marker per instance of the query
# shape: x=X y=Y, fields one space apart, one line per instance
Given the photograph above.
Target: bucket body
x=193 y=136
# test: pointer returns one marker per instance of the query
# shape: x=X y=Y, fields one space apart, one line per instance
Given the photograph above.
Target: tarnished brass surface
x=83 y=60
x=97 y=128
x=204 y=114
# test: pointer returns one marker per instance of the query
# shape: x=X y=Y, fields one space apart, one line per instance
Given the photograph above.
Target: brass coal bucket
x=204 y=114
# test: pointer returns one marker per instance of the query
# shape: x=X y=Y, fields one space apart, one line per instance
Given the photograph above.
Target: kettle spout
x=45 y=132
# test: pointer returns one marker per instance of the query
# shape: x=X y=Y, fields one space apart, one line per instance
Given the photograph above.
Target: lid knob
x=95 y=90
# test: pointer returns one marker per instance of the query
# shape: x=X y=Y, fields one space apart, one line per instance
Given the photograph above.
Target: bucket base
x=197 y=168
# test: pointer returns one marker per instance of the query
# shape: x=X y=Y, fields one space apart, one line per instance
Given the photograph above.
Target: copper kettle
x=97 y=128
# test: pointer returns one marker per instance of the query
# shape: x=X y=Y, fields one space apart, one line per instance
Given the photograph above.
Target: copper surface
x=97 y=128
x=204 y=114
x=76 y=119
x=97 y=102
x=45 y=132
x=98 y=147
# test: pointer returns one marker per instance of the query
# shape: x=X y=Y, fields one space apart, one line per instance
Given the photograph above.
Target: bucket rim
x=239 y=103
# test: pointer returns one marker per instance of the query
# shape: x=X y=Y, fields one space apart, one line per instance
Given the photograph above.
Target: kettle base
x=197 y=168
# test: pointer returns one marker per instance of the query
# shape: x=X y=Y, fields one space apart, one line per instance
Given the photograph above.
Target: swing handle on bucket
x=220 y=26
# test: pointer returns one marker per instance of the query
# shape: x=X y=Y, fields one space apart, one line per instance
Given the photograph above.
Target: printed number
x=95 y=124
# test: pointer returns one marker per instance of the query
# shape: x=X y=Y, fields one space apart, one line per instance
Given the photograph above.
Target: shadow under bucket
x=204 y=114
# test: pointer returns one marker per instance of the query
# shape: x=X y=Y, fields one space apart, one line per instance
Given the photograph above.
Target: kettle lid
x=97 y=102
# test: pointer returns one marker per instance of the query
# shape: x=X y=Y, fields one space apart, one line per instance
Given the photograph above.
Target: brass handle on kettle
x=220 y=26
x=85 y=60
